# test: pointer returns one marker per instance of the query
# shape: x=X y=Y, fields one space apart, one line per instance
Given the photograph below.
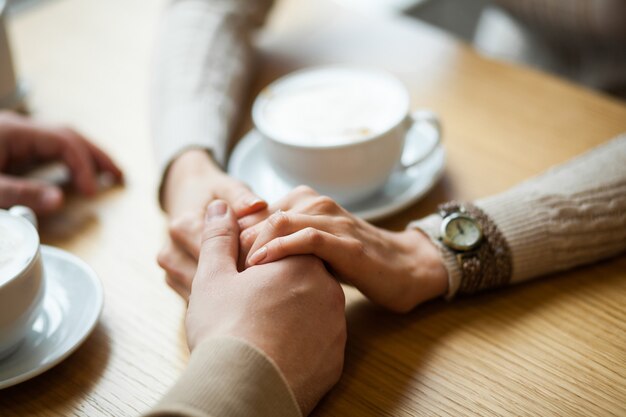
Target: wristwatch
x=480 y=249
x=460 y=231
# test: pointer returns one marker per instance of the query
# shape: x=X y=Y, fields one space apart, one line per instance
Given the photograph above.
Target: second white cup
x=340 y=130
x=22 y=280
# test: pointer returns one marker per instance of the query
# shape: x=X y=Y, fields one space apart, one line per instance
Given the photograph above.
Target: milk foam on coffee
x=332 y=106
x=18 y=245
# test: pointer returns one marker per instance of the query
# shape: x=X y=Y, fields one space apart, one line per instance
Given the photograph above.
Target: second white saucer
x=249 y=164
x=71 y=307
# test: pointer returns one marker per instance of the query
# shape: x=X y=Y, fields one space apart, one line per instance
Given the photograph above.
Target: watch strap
x=487 y=266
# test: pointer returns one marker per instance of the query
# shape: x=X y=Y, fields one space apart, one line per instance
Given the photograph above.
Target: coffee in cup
x=340 y=130
x=21 y=280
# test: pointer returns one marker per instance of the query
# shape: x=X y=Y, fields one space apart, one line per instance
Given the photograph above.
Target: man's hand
x=292 y=309
x=25 y=143
x=193 y=181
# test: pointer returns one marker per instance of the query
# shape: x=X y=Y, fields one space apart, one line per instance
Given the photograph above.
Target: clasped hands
x=396 y=270
x=270 y=274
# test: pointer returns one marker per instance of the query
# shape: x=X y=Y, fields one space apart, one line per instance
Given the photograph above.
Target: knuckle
x=304 y=190
x=218 y=233
x=166 y=259
x=325 y=204
x=168 y=264
x=247 y=237
x=279 y=220
x=68 y=133
x=314 y=236
x=278 y=245
x=163 y=259
x=175 y=227
x=346 y=223
x=181 y=225
x=357 y=248
x=64 y=136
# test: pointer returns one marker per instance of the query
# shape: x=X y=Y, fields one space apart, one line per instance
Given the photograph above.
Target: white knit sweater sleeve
x=202 y=66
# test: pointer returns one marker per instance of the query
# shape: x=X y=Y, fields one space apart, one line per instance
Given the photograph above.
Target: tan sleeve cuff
x=573 y=214
x=229 y=377
x=430 y=226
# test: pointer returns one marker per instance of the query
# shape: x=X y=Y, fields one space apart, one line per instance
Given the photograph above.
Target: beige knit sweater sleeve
x=226 y=377
x=571 y=215
x=202 y=66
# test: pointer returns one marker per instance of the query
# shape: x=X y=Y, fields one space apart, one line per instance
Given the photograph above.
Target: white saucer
x=249 y=164
x=71 y=307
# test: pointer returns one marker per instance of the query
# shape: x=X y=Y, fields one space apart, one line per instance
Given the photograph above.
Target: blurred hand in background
x=26 y=144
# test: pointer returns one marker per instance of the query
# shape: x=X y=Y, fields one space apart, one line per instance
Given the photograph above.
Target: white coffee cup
x=11 y=91
x=341 y=130
x=22 y=280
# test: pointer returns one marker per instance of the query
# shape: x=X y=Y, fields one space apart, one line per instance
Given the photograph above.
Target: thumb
x=220 y=242
x=241 y=199
x=42 y=198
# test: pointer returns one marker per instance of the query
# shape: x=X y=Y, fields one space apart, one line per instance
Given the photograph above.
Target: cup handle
x=419 y=119
x=25 y=212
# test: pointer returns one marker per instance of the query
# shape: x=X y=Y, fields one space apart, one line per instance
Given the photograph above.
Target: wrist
x=192 y=162
x=191 y=168
x=428 y=277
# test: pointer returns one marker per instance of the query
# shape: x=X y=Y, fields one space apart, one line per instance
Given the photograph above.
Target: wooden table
x=553 y=347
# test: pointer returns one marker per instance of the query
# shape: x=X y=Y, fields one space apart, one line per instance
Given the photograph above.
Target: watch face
x=461 y=232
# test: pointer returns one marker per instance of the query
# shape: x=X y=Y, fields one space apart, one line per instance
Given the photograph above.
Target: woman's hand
x=396 y=270
x=192 y=182
x=25 y=143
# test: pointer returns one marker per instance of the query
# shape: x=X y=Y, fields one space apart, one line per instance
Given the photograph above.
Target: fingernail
x=258 y=256
x=216 y=209
x=255 y=201
x=50 y=197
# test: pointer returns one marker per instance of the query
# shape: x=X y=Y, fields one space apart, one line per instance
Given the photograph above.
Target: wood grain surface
x=556 y=346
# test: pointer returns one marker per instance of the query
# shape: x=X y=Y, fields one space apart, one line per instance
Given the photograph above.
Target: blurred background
x=580 y=40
